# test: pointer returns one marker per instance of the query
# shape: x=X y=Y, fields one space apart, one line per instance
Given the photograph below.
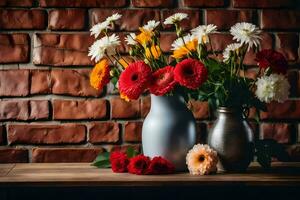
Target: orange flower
x=99 y=76
x=125 y=62
x=185 y=49
x=144 y=37
x=153 y=52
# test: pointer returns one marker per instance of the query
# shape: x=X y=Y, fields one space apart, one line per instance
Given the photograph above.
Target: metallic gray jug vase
x=169 y=130
x=233 y=139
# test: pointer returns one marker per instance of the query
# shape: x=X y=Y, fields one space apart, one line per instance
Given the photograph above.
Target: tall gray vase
x=233 y=139
x=169 y=130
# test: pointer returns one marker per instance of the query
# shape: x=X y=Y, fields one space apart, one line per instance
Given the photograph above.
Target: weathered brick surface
x=150 y=4
x=133 y=131
x=61 y=49
x=199 y=109
x=263 y=3
x=64 y=155
x=72 y=82
x=83 y=3
x=220 y=41
x=288 y=45
x=286 y=19
x=232 y=17
x=81 y=109
x=131 y=19
x=287 y=110
x=71 y=19
x=13 y=155
x=14 y=82
x=22 y=19
x=46 y=134
x=204 y=3
x=282 y=133
x=123 y=109
x=16 y=3
x=104 y=132
x=14 y=48
x=40 y=82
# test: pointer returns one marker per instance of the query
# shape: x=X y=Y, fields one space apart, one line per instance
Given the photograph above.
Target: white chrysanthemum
x=105 y=45
x=246 y=33
x=179 y=42
x=113 y=18
x=177 y=17
x=97 y=29
x=230 y=48
x=130 y=39
x=272 y=88
x=201 y=159
x=151 y=25
x=202 y=31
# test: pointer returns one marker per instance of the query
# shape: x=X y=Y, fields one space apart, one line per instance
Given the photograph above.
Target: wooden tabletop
x=83 y=174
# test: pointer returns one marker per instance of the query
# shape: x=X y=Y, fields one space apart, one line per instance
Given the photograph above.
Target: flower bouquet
x=193 y=70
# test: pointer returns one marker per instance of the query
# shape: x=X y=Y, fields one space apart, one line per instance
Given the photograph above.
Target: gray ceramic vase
x=233 y=139
x=169 y=130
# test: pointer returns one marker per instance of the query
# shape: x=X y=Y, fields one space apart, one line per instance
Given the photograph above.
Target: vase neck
x=166 y=102
x=225 y=111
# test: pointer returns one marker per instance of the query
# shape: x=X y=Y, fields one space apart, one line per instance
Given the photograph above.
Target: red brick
x=199 y=109
x=14 y=83
x=104 y=132
x=131 y=19
x=294 y=153
x=62 y=49
x=46 y=133
x=69 y=19
x=11 y=155
x=73 y=82
x=267 y=40
x=287 y=110
x=81 y=109
x=166 y=40
x=232 y=17
x=204 y=3
x=146 y=105
x=280 y=132
x=38 y=109
x=64 y=155
x=220 y=41
x=22 y=19
x=133 y=131
x=123 y=148
x=16 y=3
x=83 y=3
x=293 y=78
x=123 y=109
x=2 y=133
x=194 y=18
x=23 y=109
x=151 y=4
x=285 y=19
x=40 y=82
x=288 y=45
x=14 y=48
x=263 y=3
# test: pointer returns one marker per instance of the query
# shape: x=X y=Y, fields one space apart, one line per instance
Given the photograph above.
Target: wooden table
x=74 y=175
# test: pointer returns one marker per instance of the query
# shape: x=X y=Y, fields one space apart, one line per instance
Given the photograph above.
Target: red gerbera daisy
x=134 y=79
x=119 y=162
x=162 y=81
x=273 y=59
x=139 y=164
x=190 y=73
x=159 y=165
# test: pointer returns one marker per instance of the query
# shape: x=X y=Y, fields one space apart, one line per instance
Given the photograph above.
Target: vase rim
x=224 y=109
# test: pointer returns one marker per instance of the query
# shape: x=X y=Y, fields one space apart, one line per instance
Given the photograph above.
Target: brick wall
x=48 y=111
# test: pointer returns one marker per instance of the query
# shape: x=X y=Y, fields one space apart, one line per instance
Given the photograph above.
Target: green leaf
x=131 y=152
x=102 y=160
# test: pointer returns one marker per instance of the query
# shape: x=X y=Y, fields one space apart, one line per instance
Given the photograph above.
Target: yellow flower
x=123 y=96
x=144 y=37
x=201 y=159
x=100 y=74
x=155 y=52
x=185 y=49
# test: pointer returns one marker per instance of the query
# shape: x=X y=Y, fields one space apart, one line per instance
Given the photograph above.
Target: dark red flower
x=273 y=59
x=134 y=79
x=139 y=164
x=159 y=165
x=119 y=162
x=190 y=73
x=162 y=81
